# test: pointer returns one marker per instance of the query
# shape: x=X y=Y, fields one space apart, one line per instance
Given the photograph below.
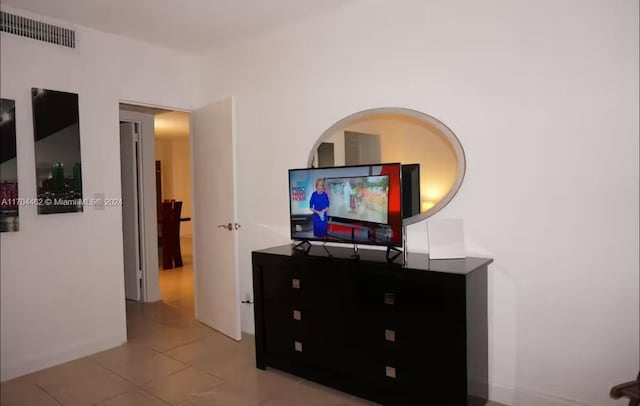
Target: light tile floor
x=169 y=359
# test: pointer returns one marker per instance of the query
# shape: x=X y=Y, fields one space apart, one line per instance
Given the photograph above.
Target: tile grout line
x=109 y=398
x=84 y=378
x=222 y=380
x=146 y=383
x=165 y=377
x=48 y=394
x=141 y=387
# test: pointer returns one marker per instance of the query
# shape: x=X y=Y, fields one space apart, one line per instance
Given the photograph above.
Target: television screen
x=353 y=204
x=364 y=198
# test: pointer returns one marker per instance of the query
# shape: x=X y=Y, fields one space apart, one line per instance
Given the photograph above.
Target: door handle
x=236 y=226
x=227 y=226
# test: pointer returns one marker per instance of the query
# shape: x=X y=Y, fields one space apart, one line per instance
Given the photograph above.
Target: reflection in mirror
x=431 y=154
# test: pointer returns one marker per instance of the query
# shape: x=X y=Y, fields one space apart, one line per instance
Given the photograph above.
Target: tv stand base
x=396 y=253
x=303 y=246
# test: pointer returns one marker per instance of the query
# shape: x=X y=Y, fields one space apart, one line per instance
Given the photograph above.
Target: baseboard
x=35 y=363
x=516 y=396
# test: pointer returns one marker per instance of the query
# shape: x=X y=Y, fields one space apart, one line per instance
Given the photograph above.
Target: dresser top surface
x=415 y=261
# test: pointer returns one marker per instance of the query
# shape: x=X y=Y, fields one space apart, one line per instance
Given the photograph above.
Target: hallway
x=176 y=285
x=170 y=359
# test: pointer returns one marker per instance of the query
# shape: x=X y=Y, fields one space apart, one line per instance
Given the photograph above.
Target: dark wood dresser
x=397 y=334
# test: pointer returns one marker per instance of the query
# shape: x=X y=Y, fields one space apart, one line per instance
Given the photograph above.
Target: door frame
x=150 y=173
x=149 y=217
x=141 y=260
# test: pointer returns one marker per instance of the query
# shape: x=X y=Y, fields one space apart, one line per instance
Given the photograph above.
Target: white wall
x=544 y=97
x=62 y=275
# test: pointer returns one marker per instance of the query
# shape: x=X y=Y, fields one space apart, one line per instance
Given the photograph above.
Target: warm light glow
x=431 y=192
x=174 y=124
x=410 y=138
x=426 y=205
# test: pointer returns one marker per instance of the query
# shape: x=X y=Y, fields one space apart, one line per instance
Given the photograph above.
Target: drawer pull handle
x=295 y=283
x=297 y=345
x=390 y=372
x=297 y=315
x=390 y=299
x=390 y=335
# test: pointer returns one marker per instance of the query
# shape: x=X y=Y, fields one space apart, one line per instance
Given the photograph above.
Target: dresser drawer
x=419 y=345
x=421 y=379
x=396 y=293
x=288 y=324
x=388 y=337
x=426 y=362
x=289 y=284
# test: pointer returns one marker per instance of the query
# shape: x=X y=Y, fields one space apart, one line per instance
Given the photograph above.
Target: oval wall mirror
x=433 y=160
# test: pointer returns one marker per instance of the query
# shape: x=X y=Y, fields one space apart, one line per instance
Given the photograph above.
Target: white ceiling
x=191 y=25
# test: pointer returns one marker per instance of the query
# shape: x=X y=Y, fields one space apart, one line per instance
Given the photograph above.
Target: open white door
x=215 y=224
x=129 y=152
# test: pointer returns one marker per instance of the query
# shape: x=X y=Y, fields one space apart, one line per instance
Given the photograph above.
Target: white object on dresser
x=446 y=239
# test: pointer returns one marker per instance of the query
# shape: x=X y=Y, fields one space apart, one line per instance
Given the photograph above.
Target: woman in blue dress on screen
x=319 y=205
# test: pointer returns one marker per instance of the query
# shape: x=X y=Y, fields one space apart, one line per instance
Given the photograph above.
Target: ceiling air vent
x=26 y=27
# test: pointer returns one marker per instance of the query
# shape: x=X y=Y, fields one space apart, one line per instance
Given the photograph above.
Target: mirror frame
x=446 y=131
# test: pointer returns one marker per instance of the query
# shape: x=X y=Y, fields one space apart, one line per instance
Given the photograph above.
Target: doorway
x=174 y=209
x=156 y=176
x=200 y=274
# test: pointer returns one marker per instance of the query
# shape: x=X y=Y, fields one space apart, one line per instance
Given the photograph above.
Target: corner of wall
x=71 y=352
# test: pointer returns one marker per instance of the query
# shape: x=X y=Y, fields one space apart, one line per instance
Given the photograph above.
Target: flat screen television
x=350 y=204
x=410 y=190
